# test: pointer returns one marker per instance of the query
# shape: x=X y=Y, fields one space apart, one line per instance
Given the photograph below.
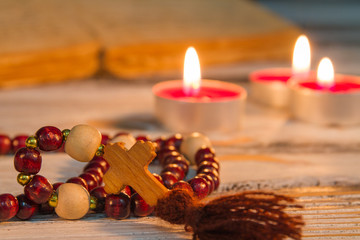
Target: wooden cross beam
x=130 y=167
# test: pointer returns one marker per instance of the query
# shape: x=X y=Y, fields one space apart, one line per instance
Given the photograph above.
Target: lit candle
x=195 y=104
x=269 y=86
x=326 y=98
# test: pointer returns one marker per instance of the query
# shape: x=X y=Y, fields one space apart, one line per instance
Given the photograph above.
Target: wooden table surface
x=272 y=151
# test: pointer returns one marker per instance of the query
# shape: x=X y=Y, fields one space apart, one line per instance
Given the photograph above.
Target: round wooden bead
x=82 y=142
x=73 y=201
x=127 y=139
x=192 y=143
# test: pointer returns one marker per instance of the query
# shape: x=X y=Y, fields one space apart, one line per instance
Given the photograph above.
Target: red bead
x=160 y=143
x=8 y=206
x=181 y=162
x=168 y=157
x=27 y=208
x=159 y=178
x=182 y=185
x=57 y=185
x=202 y=152
x=104 y=139
x=211 y=172
x=98 y=174
x=117 y=206
x=100 y=194
x=216 y=181
x=209 y=180
x=176 y=170
x=199 y=186
x=175 y=141
x=127 y=190
x=78 y=180
x=39 y=189
x=19 y=142
x=142 y=138
x=49 y=138
x=101 y=161
x=90 y=180
x=208 y=165
x=5 y=144
x=139 y=207
x=27 y=160
x=94 y=165
x=169 y=179
x=164 y=152
x=208 y=158
x=46 y=209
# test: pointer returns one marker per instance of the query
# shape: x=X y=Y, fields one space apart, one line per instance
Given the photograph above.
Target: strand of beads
x=71 y=200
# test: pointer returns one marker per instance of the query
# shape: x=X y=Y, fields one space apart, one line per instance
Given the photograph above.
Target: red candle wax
x=271 y=75
x=342 y=84
x=210 y=91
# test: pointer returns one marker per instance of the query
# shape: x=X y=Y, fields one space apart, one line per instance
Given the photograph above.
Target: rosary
x=116 y=180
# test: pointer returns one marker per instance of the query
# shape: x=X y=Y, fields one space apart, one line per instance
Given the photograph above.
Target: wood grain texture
x=130 y=167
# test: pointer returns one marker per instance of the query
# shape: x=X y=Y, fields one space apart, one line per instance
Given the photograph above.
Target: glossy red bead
x=45 y=209
x=9 y=206
x=117 y=206
x=139 y=207
x=27 y=160
x=209 y=180
x=78 y=180
x=200 y=187
x=100 y=194
x=175 y=141
x=142 y=138
x=176 y=170
x=158 y=177
x=208 y=165
x=168 y=178
x=164 y=152
x=216 y=181
x=105 y=139
x=182 y=185
x=168 y=157
x=208 y=158
x=49 y=138
x=39 y=189
x=5 y=144
x=90 y=180
x=181 y=162
x=127 y=190
x=104 y=165
x=27 y=208
x=98 y=174
x=18 y=142
x=57 y=185
x=160 y=143
x=202 y=152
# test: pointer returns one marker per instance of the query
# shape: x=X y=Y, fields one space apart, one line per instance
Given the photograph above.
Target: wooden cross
x=130 y=167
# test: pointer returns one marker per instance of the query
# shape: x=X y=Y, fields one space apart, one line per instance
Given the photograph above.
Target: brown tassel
x=249 y=215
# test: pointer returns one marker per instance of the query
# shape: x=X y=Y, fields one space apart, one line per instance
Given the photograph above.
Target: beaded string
x=40 y=195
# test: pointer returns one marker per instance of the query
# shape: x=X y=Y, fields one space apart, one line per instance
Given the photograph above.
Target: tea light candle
x=269 y=86
x=195 y=104
x=326 y=98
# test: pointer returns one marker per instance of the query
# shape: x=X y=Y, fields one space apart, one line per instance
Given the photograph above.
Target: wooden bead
x=192 y=143
x=82 y=142
x=73 y=201
x=127 y=139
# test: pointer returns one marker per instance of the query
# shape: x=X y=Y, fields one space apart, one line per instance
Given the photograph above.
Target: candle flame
x=192 y=75
x=325 y=73
x=301 y=56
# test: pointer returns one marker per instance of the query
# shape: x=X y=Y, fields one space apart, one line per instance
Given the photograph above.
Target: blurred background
x=55 y=41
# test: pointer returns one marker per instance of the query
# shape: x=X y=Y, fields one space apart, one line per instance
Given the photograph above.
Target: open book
x=46 y=41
